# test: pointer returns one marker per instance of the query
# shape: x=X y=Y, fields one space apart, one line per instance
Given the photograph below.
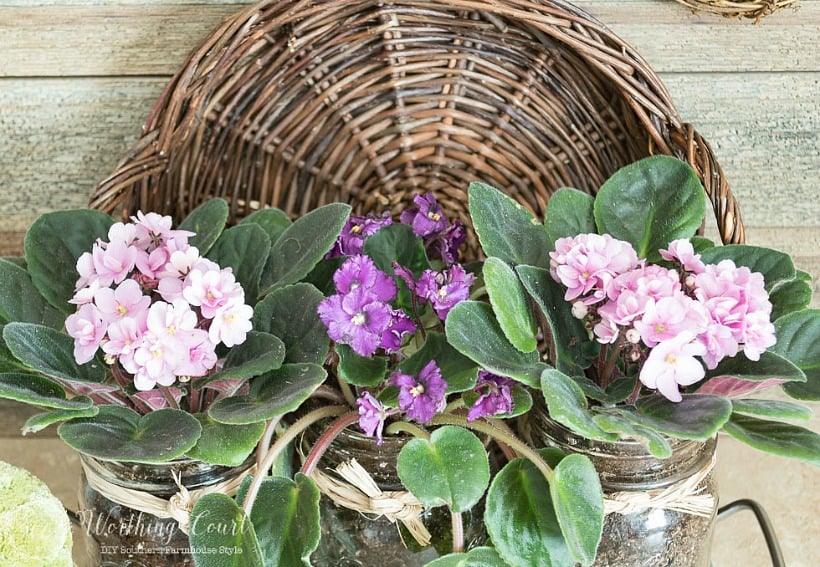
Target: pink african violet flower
x=212 y=290
x=87 y=328
x=232 y=323
x=672 y=363
x=683 y=252
x=124 y=338
x=127 y=300
x=154 y=230
x=123 y=232
x=718 y=343
x=649 y=280
x=114 y=262
x=669 y=317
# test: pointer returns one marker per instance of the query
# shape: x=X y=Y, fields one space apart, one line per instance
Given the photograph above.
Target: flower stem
x=347 y=391
x=497 y=433
x=264 y=444
x=281 y=443
x=458 y=531
x=327 y=437
x=609 y=366
x=407 y=427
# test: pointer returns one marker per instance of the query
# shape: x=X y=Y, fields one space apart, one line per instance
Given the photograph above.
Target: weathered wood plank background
x=78 y=77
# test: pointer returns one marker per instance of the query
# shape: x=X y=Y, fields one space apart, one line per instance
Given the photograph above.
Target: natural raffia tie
x=178 y=506
x=356 y=490
x=684 y=496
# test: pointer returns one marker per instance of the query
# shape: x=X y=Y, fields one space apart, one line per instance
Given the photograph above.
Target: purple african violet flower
x=400 y=324
x=421 y=398
x=360 y=272
x=426 y=217
x=356 y=230
x=444 y=245
x=495 y=398
x=444 y=289
x=371 y=416
x=357 y=319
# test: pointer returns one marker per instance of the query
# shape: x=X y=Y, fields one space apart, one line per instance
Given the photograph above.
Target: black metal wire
x=765 y=526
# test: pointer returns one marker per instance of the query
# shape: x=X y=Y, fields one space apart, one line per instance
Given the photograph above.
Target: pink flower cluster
x=153 y=304
x=676 y=320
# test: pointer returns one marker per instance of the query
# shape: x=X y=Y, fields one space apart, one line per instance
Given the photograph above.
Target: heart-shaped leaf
x=21 y=301
x=302 y=332
x=50 y=352
x=696 y=416
x=472 y=329
x=476 y=557
x=505 y=228
x=649 y=203
x=303 y=244
x=121 y=434
x=456 y=369
x=511 y=304
x=578 y=500
x=568 y=405
x=40 y=421
x=569 y=213
x=244 y=248
x=285 y=517
x=39 y=391
x=775 y=266
x=783 y=439
x=218 y=523
x=521 y=520
x=227 y=445
x=260 y=353
x=798 y=339
x=53 y=244
x=207 y=221
x=274 y=394
x=273 y=221
x=450 y=469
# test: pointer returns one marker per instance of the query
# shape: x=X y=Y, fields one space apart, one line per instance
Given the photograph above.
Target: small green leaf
x=569 y=213
x=696 y=416
x=456 y=369
x=783 y=439
x=207 y=221
x=243 y=248
x=50 y=352
x=792 y=295
x=53 y=244
x=798 y=339
x=473 y=330
x=367 y=372
x=302 y=332
x=39 y=391
x=771 y=408
x=510 y=304
x=397 y=243
x=506 y=229
x=775 y=266
x=21 y=301
x=217 y=522
x=521 y=520
x=303 y=244
x=579 y=505
x=285 y=517
x=476 y=557
x=260 y=353
x=274 y=394
x=40 y=421
x=273 y=221
x=450 y=469
x=227 y=445
x=120 y=434
x=771 y=366
x=649 y=203
x=568 y=405
x=616 y=423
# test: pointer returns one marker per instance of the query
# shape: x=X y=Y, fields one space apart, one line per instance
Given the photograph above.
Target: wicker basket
x=296 y=104
x=755 y=9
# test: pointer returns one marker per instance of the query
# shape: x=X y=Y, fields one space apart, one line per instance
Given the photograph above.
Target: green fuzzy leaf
x=616 y=423
x=569 y=213
x=775 y=266
x=50 y=352
x=120 y=434
x=285 y=517
x=245 y=249
x=273 y=221
x=506 y=229
x=300 y=329
x=272 y=395
x=260 y=353
x=651 y=202
x=771 y=366
x=207 y=221
x=227 y=445
x=568 y=405
x=476 y=557
x=521 y=520
x=358 y=370
x=397 y=243
x=771 y=408
x=450 y=469
x=217 y=522
x=783 y=439
x=21 y=301
x=40 y=421
x=456 y=369
x=303 y=244
x=569 y=335
x=578 y=500
x=510 y=304
x=53 y=244
x=39 y=391
x=473 y=330
x=696 y=416
x=791 y=296
x=798 y=339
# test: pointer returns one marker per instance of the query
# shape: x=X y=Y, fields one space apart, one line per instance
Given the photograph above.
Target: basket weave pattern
x=295 y=104
x=755 y=9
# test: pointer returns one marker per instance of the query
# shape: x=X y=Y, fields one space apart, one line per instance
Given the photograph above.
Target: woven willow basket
x=295 y=104
x=755 y=9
